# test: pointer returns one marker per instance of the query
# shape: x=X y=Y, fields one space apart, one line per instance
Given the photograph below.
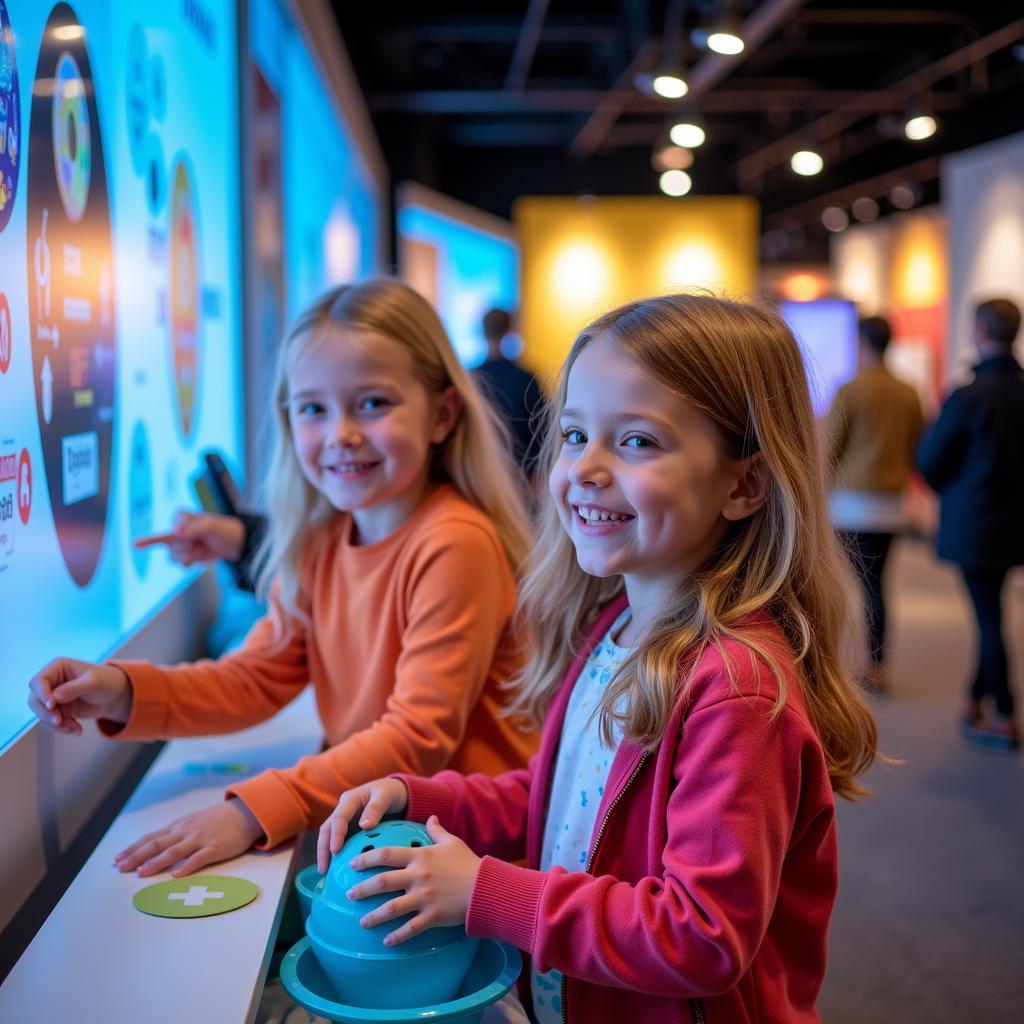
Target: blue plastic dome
x=427 y=968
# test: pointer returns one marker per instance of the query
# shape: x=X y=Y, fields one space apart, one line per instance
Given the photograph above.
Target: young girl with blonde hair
x=686 y=609
x=396 y=529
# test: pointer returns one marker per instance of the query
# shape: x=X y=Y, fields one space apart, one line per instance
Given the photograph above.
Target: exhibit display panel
x=463 y=260
x=330 y=202
x=120 y=333
x=826 y=331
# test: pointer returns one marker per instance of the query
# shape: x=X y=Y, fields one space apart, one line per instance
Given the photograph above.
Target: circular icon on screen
x=185 y=293
x=10 y=119
x=6 y=334
x=136 y=96
x=140 y=496
x=24 y=486
x=72 y=141
x=71 y=287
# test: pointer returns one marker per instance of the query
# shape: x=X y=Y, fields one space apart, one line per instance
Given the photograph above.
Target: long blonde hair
x=739 y=365
x=474 y=458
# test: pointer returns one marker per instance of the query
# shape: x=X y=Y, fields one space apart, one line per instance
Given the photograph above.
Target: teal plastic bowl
x=305 y=883
x=427 y=969
x=492 y=972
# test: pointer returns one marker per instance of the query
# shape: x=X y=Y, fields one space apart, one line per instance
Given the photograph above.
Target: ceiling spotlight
x=834 y=218
x=670 y=85
x=920 y=126
x=903 y=196
x=675 y=183
x=806 y=162
x=671 y=158
x=864 y=209
x=687 y=133
x=724 y=35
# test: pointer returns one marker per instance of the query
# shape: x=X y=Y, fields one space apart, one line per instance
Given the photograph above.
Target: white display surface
x=98 y=959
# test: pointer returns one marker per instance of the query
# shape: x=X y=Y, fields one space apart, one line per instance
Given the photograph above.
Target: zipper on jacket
x=697 y=1011
x=593 y=851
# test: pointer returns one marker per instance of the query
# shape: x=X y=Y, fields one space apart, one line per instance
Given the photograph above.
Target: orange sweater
x=408 y=645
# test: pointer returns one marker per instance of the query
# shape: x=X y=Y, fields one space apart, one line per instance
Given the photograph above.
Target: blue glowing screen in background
x=826 y=331
x=474 y=270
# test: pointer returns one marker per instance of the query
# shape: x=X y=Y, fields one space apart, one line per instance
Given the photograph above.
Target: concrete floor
x=929 y=924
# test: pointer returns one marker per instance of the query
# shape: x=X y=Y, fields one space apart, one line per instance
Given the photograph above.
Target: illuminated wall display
x=119 y=309
x=582 y=257
x=984 y=196
x=463 y=260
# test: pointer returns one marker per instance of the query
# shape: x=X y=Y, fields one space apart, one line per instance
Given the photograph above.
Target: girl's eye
x=309 y=409
x=638 y=441
x=573 y=436
x=374 y=402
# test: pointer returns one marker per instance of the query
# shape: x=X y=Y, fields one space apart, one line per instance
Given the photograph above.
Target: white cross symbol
x=196 y=896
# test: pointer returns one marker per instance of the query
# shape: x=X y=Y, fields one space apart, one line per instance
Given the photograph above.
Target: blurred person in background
x=511 y=389
x=872 y=429
x=972 y=456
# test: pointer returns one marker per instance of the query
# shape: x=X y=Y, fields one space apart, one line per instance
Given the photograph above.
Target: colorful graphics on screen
x=71 y=294
x=10 y=119
x=184 y=270
x=119 y=290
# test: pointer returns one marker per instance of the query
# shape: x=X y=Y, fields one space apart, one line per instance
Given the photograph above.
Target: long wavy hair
x=474 y=458
x=739 y=365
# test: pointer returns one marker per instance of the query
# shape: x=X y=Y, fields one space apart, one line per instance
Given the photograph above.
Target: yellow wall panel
x=583 y=257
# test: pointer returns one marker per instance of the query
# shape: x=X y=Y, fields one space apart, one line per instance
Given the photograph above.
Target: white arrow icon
x=46 y=379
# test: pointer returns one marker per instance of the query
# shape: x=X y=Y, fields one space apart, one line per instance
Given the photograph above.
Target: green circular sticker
x=195 y=896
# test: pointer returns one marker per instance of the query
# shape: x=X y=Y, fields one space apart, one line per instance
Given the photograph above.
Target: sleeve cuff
x=148 y=717
x=273 y=805
x=427 y=797
x=505 y=903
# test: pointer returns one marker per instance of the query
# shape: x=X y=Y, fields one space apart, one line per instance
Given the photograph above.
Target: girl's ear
x=753 y=483
x=446 y=414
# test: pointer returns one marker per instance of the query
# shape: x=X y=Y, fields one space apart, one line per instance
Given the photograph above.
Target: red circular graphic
x=6 y=334
x=24 y=484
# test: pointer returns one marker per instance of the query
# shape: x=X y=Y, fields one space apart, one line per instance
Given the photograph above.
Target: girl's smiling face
x=363 y=426
x=642 y=483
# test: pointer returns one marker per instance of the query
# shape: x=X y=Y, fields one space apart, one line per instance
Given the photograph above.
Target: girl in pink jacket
x=686 y=614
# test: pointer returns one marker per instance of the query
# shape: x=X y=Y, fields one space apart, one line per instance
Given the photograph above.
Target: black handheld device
x=216 y=488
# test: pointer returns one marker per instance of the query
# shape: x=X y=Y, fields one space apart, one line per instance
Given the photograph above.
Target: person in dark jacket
x=973 y=456
x=512 y=390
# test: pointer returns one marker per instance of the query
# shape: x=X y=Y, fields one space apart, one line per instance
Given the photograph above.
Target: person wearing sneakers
x=972 y=457
x=872 y=429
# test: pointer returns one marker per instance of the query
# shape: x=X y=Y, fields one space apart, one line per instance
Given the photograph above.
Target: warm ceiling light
x=834 y=218
x=687 y=134
x=865 y=209
x=725 y=42
x=670 y=85
x=903 y=196
x=806 y=162
x=671 y=158
x=921 y=126
x=675 y=183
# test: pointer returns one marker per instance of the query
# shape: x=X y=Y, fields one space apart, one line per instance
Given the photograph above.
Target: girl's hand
x=206 y=837
x=201 y=537
x=68 y=690
x=370 y=802
x=438 y=881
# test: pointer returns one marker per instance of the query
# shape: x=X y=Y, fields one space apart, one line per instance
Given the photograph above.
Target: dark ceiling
x=539 y=97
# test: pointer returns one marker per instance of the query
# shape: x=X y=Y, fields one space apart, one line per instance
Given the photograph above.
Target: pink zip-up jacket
x=712 y=869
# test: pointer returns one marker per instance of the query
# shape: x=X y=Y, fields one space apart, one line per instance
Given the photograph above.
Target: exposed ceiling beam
x=881 y=16
x=498 y=30
x=526 y=45
x=752 y=166
x=571 y=101
x=704 y=75
x=810 y=209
